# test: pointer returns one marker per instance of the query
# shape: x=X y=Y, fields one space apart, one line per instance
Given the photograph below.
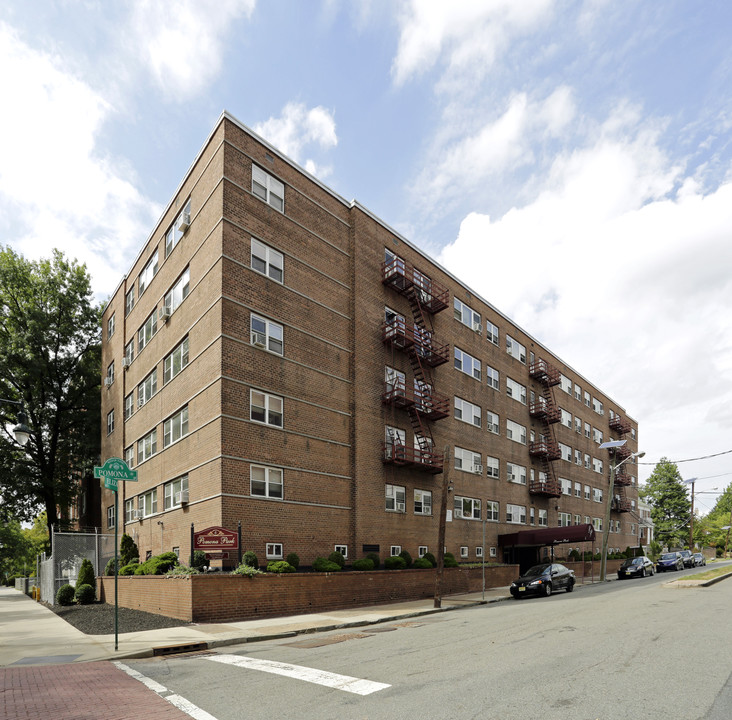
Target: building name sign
x=215 y=538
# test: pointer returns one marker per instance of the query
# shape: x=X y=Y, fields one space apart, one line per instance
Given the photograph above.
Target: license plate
x=522 y=589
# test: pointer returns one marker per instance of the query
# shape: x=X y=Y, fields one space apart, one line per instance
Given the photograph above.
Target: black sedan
x=670 y=561
x=543 y=580
x=699 y=559
x=636 y=567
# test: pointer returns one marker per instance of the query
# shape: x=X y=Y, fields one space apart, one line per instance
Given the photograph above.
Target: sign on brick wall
x=215 y=540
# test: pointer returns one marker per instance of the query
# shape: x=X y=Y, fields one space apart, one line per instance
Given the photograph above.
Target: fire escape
x=546 y=450
x=621 y=503
x=416 y=338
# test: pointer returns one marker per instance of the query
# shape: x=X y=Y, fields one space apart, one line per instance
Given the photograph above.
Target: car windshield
x=537 y=570
x=632 y=561
x=668 y=556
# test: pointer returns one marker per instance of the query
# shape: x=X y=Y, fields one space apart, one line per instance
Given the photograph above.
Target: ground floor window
x=274 y=551
x=395 y=550
x=342 y=549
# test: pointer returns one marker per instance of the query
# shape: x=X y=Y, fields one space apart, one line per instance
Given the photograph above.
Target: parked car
x=543 y=579
x=688 y=558
x=699 y=559
x=636 y=567
x=670 y=561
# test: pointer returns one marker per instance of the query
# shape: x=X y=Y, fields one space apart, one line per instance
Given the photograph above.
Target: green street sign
x=114 y=470
x=110 y=484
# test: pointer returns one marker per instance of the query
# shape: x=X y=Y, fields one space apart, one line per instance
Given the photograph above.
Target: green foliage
x=429 y=556
x=407 y=557
x=128 y=550
x=363 y=564
x=50 y=359
x=575 y=555
x=395 y=562
x=247 y=570
x=157 y=564
x=337 y=558
x=293 y=559
x=65 y=595
x=375 y=559
x=279 y=566
x=670 y=505
x=654 y=550
x=109 y=567
x=450 y=560
x=249 y=558
x=129 y=569
x=422 y=563
x=182 y=571
x=86 y=574
x=85 y=594
x=321 y=564
x=199 y=559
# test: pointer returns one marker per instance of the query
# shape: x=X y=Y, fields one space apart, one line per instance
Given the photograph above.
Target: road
x=623 y=649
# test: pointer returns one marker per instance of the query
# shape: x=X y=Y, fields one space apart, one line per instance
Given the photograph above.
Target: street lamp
x=611 y=445
x=691 y=482
x=21 y=430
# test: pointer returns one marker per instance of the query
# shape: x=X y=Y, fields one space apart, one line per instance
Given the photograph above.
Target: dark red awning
x=548 y=536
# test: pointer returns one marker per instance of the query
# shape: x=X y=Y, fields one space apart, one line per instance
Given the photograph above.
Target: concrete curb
x=696 y=583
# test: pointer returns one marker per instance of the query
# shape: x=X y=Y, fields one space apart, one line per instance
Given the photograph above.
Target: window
x=597 y=495
x=266 y=334
x=577 y=519
x=110 y=422
x=130 y=456
x=566 y=418
x=578 y=458
x=467 y=412
x=516 y=473
x=587 y=399
x=564 y=519
x=516 y=390
x=543 y=517
x=178 y=228
x=492 y=378
x=566 y=383
x=597 y=465
x=273 y=551
x=395 y=550
x=129 y=405
x=129 y=511
x=467 y=363
x=587 y=492
x=396 y=440
x=146 y=332
x=173 y=492
x=266 y=482
x=515 y=513
x=597 y=406
x=491 y=332
x=565 y=485
x=468 y=461
x=342 y=549
x=531 y=515
x=147 y=274
x=479 y=552
x=463 y=551
x=588 y=430
x=110 y=326
x=147 y=388
x=267 y=261
x=578 y=424
x=110 y=374
x=422 y=550
x=492 y=467
x=577 y=392
x=129 y=301
x=466 y=315
x=178 y=293
x=175 y=427
x=422 y=502
x=110 y=516
x=597 y=435
x=396 y=499
x=129 y=352
x=578 y=490
x=515 y=349
x=515 y=432
x=566 y=452
x=492 y=510
x=265 y=408
x=267 y=188
x=493 y=552
x=147 y=504
x=492 y=422
x=467 y=508
x=176 y=361
x=597 y=523
x=147 y=446
x=587 y=461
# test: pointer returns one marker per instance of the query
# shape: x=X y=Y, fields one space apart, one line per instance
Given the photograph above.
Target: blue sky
x=570 y=161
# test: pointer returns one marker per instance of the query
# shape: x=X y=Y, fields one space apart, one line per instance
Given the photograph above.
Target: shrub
x=407 y=557
x=450 y=560
x=109 y=567
x=199 y=559
x=337 y=558
x=85 y=594
x=293 y=559
x=129 y=569
x=247 y=570
x=395 y=562
x=86 y=574
x=363 y=564
x=321 y=564
x=374 y=557
x=429 y=556
x=65 y=595
x=574 y=554
x=249 y=558
x=182 y=570
x=157 y=564
x=279 y=566
x=128 y=550
x=422 y=563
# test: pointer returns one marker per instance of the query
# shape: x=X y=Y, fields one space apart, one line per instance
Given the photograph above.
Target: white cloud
x=298 y=128
x=183 y=42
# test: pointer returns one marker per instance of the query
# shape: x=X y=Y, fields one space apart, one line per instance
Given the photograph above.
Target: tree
x=670 y=505
x=19 y=547
x=50 y=357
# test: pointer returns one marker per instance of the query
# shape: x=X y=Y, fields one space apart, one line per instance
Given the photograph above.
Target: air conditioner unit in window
x=183 y=497
x=108 y=381
x=259 y=340
x=125 y=362
x=164 y=314
x=478 y=469
x=401 y=507
x=476 y=327
x=184 y=222
x=137 y=514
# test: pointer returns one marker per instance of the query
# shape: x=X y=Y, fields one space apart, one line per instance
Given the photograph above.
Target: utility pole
x=441 y=531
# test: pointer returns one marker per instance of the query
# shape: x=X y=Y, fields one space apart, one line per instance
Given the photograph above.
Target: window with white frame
x=274 y=551
x=395 y=550
x=588 y=464
x=266 y=482
x=492 y=510
x=532 y=513
x=588 y=430
x=467 y=363
x=129 y=405
x=110 y=373
x=178 y=228
x=147 y=274
x=516 y=390
x=492 y=422
x=587 y=399
x=468 y=461
x=492 y=466
x=493 y=552
x=130 y=511
x=129 y=301
x=176 y=361
x=178 y=293
x=175 y=492
x=267 y=260
x=587 y=492
x=396 y=499
x=564 y=519
x=578 y=424
x=577 y=519
x=467 y=412
x=565 y=485
x=130 y=456
x=515 y=513
x=147 y=503
x=515 y=349
x=577 y=392
x=395 y=440
x=515 y=432
x=146 y=332
x=566 y=452
x=516 y=473
x=147 y=446
x=422 y=502
x=422 y=550
x=147 y=388
x=597 y=495
x=395 y=379
x=343 y=550
x=566 y=383
x=175 y=427
x=632 y=433
x=566 y=418
x=110 y=517
x=266 y=334
x=467 y=508
x=110 y=422
x=597 y=406
x=110 y=326
x=129 y=352
x=265 y=408
x=268 y=188
x=492 y=377
x=578 y=457
x=479 y=552
x=597 y=465
x=463 y=551
x=491 y=332
x=543 y=517
x=578 y=490
x=597 y=523
x=466 y=315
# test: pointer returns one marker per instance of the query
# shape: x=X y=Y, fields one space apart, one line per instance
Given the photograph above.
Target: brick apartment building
x=280 y=357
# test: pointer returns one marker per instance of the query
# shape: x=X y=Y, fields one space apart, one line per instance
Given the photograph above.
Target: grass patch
x=709 y=574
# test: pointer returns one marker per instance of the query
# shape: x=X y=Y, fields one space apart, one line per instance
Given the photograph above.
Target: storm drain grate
x=178 y=649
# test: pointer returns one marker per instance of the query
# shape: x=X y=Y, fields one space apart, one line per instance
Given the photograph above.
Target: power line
x=703 y=457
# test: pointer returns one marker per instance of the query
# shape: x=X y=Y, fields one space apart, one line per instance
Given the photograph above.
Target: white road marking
x=319 y=677
x=146 y=681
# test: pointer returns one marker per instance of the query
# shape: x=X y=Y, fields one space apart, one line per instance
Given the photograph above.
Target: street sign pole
x=116 y=571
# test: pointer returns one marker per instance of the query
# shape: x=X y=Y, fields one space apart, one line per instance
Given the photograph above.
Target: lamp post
x=611 y=445
x=691 y=482
x=21 y=431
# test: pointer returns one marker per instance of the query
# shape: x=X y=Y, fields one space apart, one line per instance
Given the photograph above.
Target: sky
x=570 y=161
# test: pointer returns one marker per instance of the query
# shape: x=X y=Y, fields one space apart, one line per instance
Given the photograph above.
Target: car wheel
x=643 y=572
x=570 y=586
x=547 y=589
